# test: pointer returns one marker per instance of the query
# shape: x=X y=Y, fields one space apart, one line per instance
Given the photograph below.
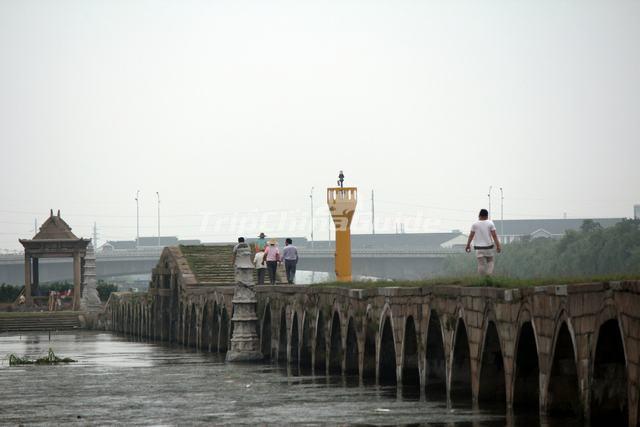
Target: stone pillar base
x=243 y=356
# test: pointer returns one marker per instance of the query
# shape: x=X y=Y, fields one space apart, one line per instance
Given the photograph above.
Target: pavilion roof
x=55 y=228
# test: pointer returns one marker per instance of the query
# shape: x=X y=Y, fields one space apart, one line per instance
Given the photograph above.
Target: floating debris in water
x=50 y=359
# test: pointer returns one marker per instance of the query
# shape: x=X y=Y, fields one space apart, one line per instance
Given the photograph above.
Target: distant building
x=636 y=211
x=393 y=242
x=118 y=245
x=145 y=243
x=513 y=230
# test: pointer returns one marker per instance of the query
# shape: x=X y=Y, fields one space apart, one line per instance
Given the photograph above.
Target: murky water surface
x=117 y=381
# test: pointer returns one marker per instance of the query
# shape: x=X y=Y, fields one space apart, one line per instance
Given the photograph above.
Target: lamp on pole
x=137 y=217
x=158 y=194
x=489 y=196
x=373 y=215
x=311 y=197
x=501 y=213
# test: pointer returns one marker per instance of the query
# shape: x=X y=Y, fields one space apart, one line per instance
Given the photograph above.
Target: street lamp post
x=501 y=213
x=158 y=194
x=489 y=196
x=373 y=215
x=137 y=218
x=311 y=197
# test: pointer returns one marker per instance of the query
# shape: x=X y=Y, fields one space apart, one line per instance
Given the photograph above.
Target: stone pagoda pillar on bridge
x=53 y=240
x=245 y=345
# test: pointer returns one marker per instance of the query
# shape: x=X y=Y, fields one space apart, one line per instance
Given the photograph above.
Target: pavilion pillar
x=27 y=279
x=36 y=274
x=76 y=281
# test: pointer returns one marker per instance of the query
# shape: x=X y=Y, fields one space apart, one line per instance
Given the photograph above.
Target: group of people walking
x=267 y=257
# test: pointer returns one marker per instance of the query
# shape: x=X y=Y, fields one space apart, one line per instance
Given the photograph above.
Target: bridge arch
x=265 y=335
x=563 y=391
x=140 y=327
x=410 y=365
x=223 y=342
x=369 y=351
x=134 y=321
x=460 y=383
x=206 y=328
x=526 y=378
x=142 y=315
x=294 y=341
x=172 y=303
x=609 y=388
x=320 y=345
x=336 y=352
x=306 y=347
x=215 y=326
x=435 y=363
x=352 y=353
x=193 y=329
x=492 y=384
x=282 y=336
x=132 y=318
x=180 y=323
x=127 y=318
x=387 y=361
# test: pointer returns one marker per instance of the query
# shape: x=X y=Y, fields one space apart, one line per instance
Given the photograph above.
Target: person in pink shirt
x=271 y=257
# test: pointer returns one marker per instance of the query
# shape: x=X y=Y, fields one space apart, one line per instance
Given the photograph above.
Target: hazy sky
x=234 y=110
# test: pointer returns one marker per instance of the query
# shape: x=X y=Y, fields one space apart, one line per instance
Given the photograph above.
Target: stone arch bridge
x=569 y=350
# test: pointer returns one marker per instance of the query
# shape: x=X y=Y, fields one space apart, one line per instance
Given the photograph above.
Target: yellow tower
x=342 y=205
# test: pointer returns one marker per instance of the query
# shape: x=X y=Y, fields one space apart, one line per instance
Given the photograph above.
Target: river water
x=117 y=381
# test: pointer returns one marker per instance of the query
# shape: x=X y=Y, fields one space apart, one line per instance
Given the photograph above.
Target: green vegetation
x=210 y=264
x=476 y=281
x=60 y=286
x=592 y=251
x=9 y=293
x=50 y=359
x=105 y=289
x=592 y=254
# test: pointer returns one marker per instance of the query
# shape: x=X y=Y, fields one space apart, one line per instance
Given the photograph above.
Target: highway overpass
x=392 y=264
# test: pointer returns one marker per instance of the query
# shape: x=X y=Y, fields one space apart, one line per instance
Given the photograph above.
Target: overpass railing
x=380 y=253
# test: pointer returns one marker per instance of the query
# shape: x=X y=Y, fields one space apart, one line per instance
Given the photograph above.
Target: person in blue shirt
x=290 y=256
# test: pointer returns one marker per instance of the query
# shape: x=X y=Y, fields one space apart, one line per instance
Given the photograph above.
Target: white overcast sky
x=233 y=110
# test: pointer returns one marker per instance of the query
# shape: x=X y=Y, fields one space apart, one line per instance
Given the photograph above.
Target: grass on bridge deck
x=492 y=282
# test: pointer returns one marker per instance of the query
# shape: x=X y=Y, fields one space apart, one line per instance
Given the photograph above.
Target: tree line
x=9 y=293
x=590 y=251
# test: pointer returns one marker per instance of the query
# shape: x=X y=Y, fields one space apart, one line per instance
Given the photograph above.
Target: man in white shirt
x=485 y=239
x=261 y=269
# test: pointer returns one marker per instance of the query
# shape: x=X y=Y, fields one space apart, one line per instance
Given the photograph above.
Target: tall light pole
x=501 y=213
x=311 y=197
x=158 y=194
x=373 y=215
x=489 y=196
x=137 y=217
